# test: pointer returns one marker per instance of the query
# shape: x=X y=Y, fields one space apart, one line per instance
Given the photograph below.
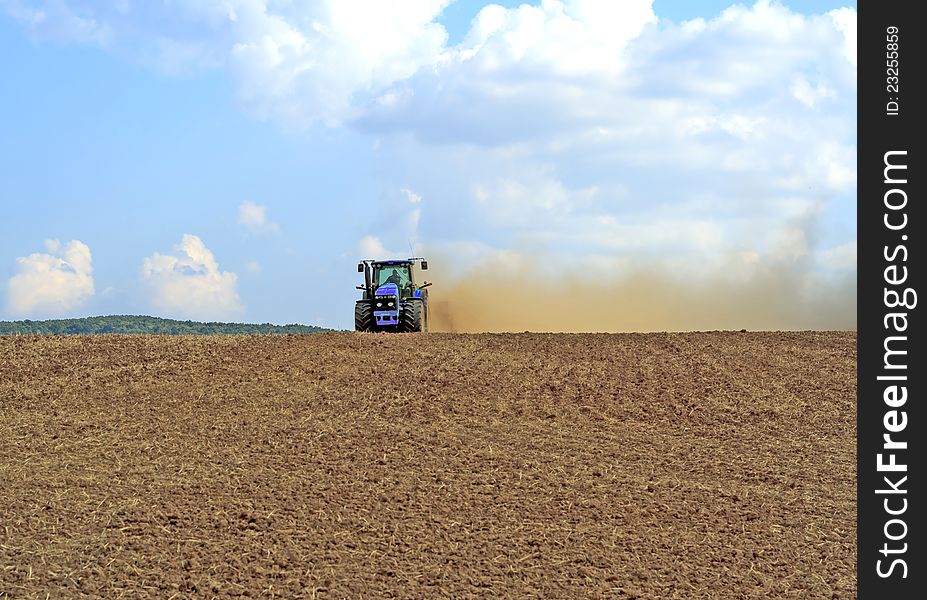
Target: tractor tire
x=413 y=318
x=363 y=316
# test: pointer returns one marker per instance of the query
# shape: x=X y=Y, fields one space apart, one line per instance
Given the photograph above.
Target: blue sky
x=233 y=160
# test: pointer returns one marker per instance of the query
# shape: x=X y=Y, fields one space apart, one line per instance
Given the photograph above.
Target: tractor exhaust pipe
x=366 y=268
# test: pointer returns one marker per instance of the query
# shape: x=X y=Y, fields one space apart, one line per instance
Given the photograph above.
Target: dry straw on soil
x=704 y=465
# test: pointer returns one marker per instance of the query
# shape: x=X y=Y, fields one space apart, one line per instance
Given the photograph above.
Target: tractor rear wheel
x=412 y=319
x=363 y=316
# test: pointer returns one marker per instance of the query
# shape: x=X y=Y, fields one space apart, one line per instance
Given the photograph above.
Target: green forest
x=135 y=324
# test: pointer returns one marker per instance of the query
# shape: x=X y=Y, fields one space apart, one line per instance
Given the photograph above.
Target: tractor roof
x=393 y=262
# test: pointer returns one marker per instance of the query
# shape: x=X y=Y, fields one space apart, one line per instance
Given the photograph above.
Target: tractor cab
x=396 y=272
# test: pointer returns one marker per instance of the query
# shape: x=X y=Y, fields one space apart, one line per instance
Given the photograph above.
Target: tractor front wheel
x=412 y=319
x=363 y=316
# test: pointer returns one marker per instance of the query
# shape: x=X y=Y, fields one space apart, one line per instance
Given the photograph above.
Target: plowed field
x=702 y=465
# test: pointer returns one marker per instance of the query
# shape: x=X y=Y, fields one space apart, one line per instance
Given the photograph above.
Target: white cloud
x=254 y=217
x=371 y=247
x=569 y=38
x=845 y=21
x=189 y=283
x=808 y=94
x=529 y=73
x=52 y=283
x=308 y=61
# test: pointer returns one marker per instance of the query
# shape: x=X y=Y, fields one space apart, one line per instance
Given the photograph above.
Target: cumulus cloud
x=532 y=73
x=309 y=60
x=845 y=20
x=254 y=217
x=298 y=61
x=52 y=283
x=324 y=60
x=371 y=247
x=809 y=94
x=189 y=284
x=566 y=39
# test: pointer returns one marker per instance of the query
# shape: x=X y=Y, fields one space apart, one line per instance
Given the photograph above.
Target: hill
x=136 y=324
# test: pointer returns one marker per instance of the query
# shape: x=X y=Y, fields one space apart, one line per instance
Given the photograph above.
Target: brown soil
x=702 y=465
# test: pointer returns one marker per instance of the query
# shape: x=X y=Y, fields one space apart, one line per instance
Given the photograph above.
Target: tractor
x=392 y=301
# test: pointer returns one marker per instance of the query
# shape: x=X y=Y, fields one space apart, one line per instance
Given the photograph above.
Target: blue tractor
x=392 y=301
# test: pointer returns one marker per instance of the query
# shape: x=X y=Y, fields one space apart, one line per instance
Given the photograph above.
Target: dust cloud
x=492 y=298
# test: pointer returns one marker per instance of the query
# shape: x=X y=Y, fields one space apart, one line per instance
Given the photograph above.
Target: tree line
x=136 y=324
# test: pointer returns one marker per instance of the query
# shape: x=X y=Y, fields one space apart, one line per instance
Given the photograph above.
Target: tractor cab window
x=398 y=274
